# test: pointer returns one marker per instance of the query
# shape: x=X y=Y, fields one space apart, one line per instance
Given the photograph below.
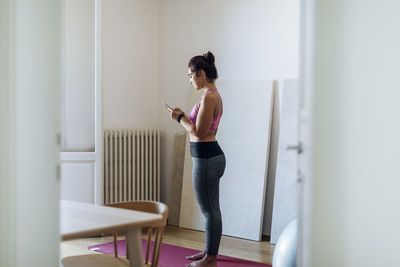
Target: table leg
x=134 y=247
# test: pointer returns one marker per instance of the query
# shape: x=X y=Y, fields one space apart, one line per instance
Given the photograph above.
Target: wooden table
x=79 y=219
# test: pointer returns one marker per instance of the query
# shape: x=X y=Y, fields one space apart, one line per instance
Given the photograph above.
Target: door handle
x=298 y=147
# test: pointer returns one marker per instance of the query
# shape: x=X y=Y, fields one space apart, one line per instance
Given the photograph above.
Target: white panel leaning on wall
x=244 y=137
x=285 y=192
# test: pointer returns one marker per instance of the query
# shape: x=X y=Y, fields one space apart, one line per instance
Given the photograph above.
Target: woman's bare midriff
x=209 y=138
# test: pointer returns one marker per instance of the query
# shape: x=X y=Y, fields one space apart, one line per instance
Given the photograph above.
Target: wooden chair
x=94 y=260
x=151 y=207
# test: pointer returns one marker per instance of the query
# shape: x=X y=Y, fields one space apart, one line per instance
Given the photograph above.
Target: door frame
x=305 y=131
x=98 y=172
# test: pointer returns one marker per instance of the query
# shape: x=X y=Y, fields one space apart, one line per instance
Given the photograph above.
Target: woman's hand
x=175 y=113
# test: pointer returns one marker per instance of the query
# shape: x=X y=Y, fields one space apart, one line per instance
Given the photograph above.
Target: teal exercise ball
x=285 y=248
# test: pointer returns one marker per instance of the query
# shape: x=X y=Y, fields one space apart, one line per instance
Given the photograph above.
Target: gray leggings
x=206 y=174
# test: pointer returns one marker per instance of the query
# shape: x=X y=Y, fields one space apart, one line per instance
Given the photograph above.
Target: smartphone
x=166 y=105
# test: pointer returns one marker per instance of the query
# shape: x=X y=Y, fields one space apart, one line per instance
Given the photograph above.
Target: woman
x=208 y=158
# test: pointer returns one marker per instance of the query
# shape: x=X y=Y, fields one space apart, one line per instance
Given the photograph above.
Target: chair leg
x=115 y=245
x=162 y=229
x=149 y=233
x=157 y=247
x=127 y=250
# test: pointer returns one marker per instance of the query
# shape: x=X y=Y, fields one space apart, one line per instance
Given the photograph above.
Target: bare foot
x=197 y=256
x=206 y=261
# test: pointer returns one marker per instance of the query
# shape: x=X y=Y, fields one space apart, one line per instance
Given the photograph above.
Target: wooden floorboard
x=230 y=246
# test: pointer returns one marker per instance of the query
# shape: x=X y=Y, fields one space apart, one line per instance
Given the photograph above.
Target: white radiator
x=131 y=165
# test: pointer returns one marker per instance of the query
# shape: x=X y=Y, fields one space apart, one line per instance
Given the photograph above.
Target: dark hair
x=206 y=63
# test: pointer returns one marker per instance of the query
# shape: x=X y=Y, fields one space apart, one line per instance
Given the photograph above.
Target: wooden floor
x=234 y=247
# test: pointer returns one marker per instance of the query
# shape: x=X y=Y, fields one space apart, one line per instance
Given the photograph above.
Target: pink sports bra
x=195 y=110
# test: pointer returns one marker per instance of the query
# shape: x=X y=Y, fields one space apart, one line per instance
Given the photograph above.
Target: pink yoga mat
x=174 y=256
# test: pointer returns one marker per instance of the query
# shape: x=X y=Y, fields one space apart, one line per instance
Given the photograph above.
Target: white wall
x=355 y=175
x=146 y=46
x=257 y=41
x=130 y=63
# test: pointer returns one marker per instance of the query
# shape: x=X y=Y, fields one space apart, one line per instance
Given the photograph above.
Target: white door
x=353 y=74
x=305 y=118
x=81 y=103
x=29 y=130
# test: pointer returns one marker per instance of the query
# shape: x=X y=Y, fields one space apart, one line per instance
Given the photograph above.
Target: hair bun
x=209 y=57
